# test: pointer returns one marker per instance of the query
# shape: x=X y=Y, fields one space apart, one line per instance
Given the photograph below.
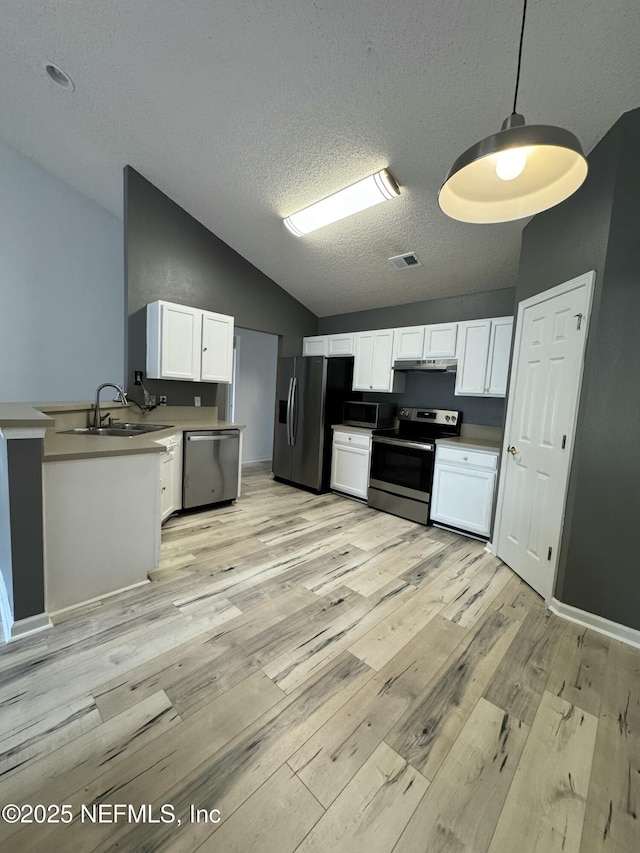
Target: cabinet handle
x=465 y=458
x=204 y=349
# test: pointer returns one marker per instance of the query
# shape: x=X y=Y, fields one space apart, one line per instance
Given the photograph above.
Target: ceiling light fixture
x=59 y=77
x=366 y=193
x=517 y=172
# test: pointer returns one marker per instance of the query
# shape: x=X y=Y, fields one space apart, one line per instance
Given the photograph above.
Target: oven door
x=402 y=467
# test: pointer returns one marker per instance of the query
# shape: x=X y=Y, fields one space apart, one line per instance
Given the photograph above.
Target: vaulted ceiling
x=245 y=111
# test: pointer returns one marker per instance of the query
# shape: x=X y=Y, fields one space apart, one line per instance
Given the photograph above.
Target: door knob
x=512 y=450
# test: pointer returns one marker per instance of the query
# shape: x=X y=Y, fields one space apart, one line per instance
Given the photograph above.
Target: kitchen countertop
x=465 y=441
x=347 y=428
x=16 y=415
x=59 y=447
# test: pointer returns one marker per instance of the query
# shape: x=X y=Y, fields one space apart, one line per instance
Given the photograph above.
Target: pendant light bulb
x=511 y=163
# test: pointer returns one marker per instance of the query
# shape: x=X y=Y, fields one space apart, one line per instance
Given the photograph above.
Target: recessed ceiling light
x=59 y=77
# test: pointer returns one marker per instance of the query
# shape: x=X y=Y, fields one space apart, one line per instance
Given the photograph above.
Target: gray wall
x=434 y=390
x=492 y=303
x=255 y=392
x=24 y=458
x=61 y=287
x=5 y=525
x=598 y=228
x=169 y=255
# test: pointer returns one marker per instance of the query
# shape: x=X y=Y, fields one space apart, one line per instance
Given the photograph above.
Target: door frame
x=586 y=279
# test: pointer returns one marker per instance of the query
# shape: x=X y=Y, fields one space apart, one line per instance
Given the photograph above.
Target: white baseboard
x=31 y=625
x=6 y=614
x=490 y=548
x=71 y=607
x=623 y=633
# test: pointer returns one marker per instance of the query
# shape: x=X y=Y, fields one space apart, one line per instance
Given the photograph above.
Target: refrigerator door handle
x=294 y=410
x=289 y=413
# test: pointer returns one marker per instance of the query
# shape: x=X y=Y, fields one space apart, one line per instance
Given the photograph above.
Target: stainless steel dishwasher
x=210 y=471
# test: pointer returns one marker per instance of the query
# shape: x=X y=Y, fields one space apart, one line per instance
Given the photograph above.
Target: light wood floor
x=330 y=678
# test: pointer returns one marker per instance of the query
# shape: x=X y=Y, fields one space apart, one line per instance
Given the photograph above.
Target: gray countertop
x=14 y=415
x=59 y=447
x=465 y=441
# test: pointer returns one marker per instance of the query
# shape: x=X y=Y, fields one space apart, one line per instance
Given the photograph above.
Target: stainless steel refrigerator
x=310 y=391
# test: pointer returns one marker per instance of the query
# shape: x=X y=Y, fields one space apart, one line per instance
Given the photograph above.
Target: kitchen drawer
x=352 y=439
x=465 y=456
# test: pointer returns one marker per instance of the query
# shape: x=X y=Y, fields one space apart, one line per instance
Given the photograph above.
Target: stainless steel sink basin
x=121 y=430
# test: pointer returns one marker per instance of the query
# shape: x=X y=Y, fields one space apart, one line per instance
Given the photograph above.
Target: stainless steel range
x=402 y=461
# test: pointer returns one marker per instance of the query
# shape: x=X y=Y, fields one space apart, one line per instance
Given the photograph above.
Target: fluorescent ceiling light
x=366 y=193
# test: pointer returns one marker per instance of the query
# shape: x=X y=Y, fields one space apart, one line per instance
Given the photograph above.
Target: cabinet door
x=350 y=470
x=499 y=352
x=410 y=342
x=382 y=374
x=363 y=361
x=463 y=498
x=440 y=341
x=316 y=345
x=167 y=506
x=179 y=341
x=217 y=347
x=473 y=350
x=341 y=344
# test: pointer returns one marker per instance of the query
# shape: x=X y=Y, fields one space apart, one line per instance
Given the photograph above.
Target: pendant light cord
x=524 y=15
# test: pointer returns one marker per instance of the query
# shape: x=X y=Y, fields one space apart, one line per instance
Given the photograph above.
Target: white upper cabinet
x=373 y=364
x=331 y=345
x=173 y=341
x=440 y=340
x=315 y=345
x=483 y=357
x=217 y=347
x=341 y=344
x=436 y=341
x=410 y=342
x=188 y=344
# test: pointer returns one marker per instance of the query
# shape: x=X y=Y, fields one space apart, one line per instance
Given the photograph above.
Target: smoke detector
x=406 y=261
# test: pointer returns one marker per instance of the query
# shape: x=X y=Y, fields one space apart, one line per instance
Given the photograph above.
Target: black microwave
x=368 y=415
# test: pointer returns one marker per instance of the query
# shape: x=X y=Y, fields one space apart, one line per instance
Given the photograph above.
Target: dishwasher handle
x=220 y=436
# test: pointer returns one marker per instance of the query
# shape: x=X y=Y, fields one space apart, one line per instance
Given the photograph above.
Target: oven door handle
x=400 y=443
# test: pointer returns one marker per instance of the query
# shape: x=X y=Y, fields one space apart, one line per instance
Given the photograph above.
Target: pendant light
x=517 y=172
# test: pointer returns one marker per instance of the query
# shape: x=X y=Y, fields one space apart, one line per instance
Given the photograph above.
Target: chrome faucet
x=97 y=420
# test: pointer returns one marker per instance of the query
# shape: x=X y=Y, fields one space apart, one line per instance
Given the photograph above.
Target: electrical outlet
x=137 y=377
x=197 y=401
x=163 y=399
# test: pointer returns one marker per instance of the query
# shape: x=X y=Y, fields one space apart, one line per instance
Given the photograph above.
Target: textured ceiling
x=245 y=111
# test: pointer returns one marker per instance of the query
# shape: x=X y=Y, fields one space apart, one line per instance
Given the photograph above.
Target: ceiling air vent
x=406 y=261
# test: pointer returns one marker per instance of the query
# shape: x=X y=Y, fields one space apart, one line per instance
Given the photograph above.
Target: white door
x=410 y=342
x=440 y=340
x=538 y=443
x=350 y=470
x=217 y=347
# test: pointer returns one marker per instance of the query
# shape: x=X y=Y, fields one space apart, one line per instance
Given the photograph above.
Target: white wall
x=256 y=392
x=61 y=287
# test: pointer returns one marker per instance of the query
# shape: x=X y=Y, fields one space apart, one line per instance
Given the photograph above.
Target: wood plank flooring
x=328 y=678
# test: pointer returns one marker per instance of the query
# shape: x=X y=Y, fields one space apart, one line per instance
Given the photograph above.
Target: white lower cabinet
x=464 y=484
x=350 y=458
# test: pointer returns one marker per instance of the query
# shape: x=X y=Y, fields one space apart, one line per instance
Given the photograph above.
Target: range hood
x=442 y=365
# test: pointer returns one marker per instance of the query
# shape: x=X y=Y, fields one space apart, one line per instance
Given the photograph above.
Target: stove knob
x=447 y=418
x=453 y=419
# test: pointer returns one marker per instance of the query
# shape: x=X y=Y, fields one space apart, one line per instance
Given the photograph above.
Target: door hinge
x=564 y=441
x=579 y=324
x=549 y=553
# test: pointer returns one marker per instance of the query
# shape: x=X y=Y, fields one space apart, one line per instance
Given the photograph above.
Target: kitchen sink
x=122 y=430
